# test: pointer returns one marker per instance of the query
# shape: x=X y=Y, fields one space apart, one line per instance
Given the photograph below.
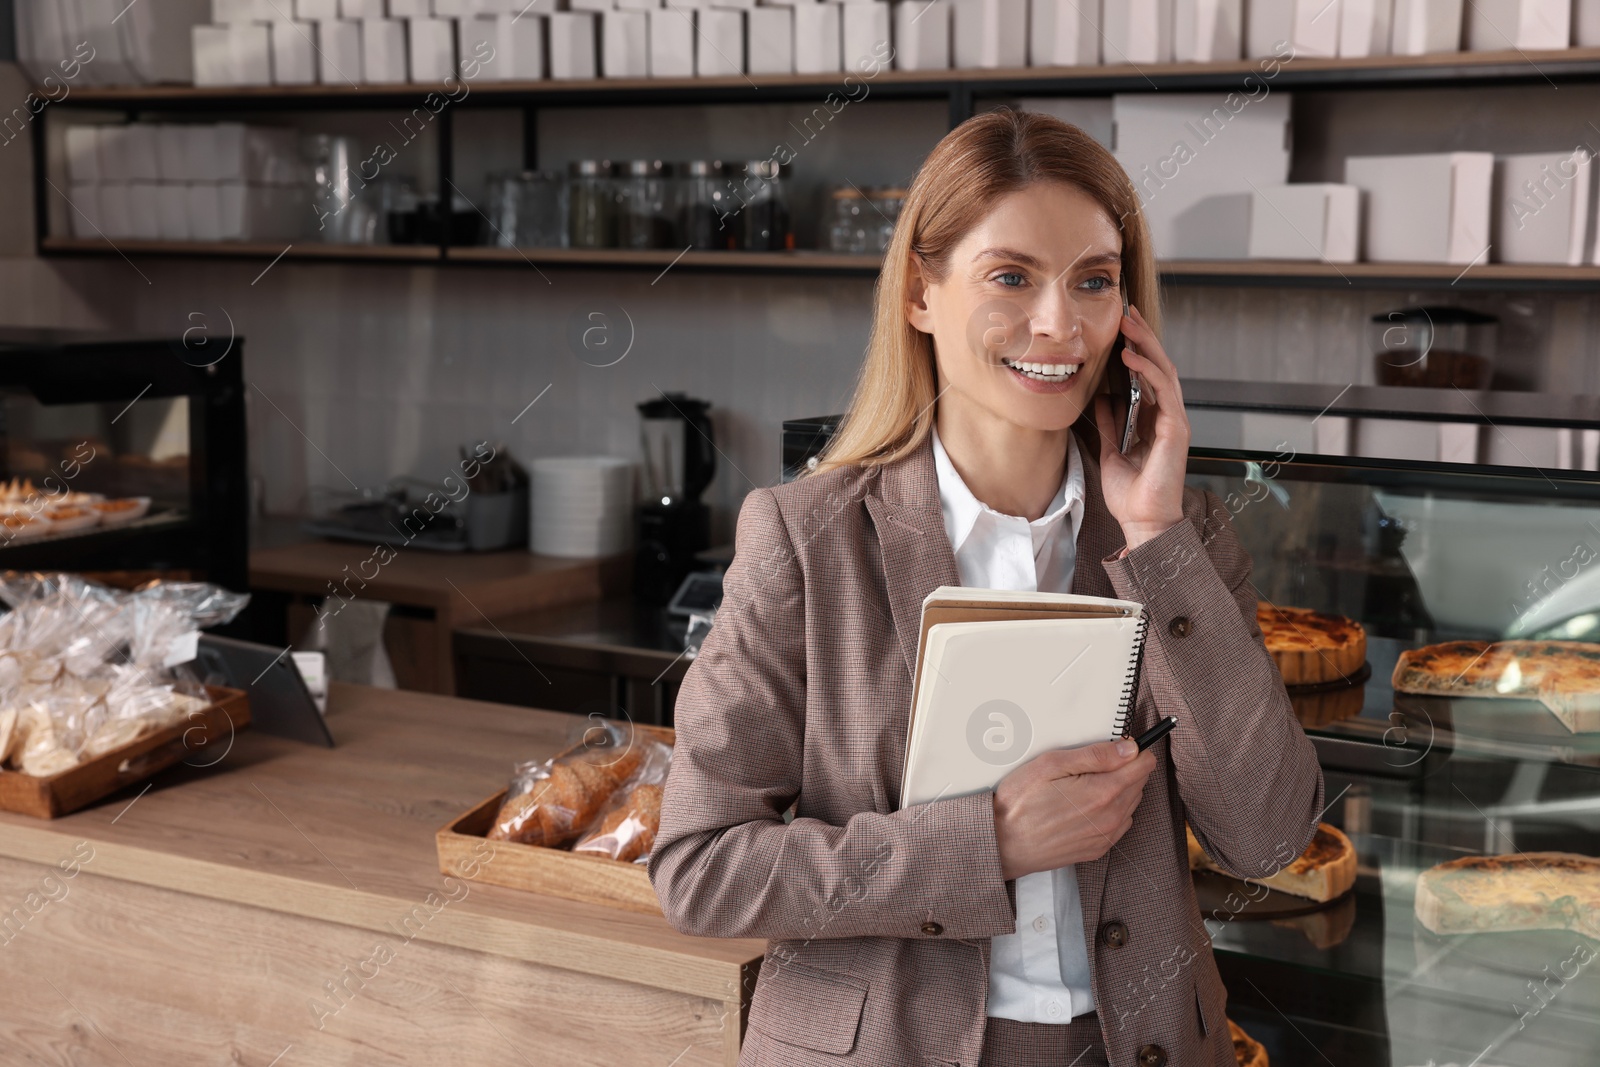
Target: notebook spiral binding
x=1130 y=684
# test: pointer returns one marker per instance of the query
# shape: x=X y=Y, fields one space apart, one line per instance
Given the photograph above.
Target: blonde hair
x=986 y=157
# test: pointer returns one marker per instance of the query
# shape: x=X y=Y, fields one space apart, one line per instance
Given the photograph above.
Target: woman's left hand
x=1144 y=489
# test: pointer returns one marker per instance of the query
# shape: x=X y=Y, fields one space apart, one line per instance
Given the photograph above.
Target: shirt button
x=1114 y=934
x=1041 y=924
x=1152 y=1056
x=932 y=929
x=1179 y=626
x=1054 y=1009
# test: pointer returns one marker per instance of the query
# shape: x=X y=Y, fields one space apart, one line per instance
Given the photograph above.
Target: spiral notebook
x=1004 y=675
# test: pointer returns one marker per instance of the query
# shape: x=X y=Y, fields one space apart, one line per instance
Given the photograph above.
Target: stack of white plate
x=580 y=505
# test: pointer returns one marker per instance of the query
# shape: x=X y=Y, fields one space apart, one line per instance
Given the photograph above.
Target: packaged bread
x=629 y=830
x=552 y=802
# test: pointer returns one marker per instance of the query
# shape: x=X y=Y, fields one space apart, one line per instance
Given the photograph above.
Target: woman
x=1052 y=920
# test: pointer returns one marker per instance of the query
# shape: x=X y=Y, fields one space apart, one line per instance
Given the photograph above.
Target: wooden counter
x=286 y=902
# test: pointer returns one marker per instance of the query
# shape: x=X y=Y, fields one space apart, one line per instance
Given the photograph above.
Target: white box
x=601 y=6
x=818 y=33
x=85 y=210
x=410 y=9
x=205 y=212
x=1586 y=23
x=770 y=40
x=1193 y=159
x=174 y=157
x=638 y=5
x=315 y=10
x=1136 y=31
x=1542 y=212
x=1064 y=33
x=625 y=46
x=294 y=53
x=1422 y=26
x=251 y=46
x=232 y=12
x=672 y=40
x=456 y=9
x=1206 y=31
x=140 y=162
x=172 y=211
x=574 y=45
x=213 y=55
x=994 y=33
x=383 y=52
x=1091 y=114
x=478 y=40
x=1432 y=208
x=83 y=154
x=864 y=32
x=144 y=211
x=339 y=52
x=720 y=50
x=1493 y=25
x=1365 y=27
x=116 y=212
x=1311 y=27
x=1316 y=220
x=363 y=9
x=232 y=151
x=519 y=48
x=922 y=35
x=432 y=47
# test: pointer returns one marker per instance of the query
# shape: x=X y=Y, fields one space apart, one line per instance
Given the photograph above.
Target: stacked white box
x=519 y=48
x=672 y=40
x=720 y=50
x=1432 y=208
x=339 y=52
x=213 y=55
x=316 y=10
x=600 y=6
x=625 y=50
x=1493 y=25
x=363 y=9
x=1310 y=26
x=410 y=9
x=1063 y=33
x=116 y=213
x=818 y=32
x=1423 y=26
x=478 y=40
x=1319 y=221
x=922 y=35
x=865 y=33
x=1365 y=27
x=1091 y=114
x=457 y=9
x=294 y=53
x=991 y=33
x=144 y=211
x=85 y=210
x=1207 y=31
x=770 y=40
x=1136 y=31
x=172 y=212
x=232 y=12
x=574 y=45
x=1542 y=214
x=1586 y=23
x=383 y=51
x=83 y=154
x=432 y=48
x=638 y=5
x=1194 y=158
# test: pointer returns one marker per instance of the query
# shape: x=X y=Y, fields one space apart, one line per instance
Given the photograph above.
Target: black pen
x=1157 y=732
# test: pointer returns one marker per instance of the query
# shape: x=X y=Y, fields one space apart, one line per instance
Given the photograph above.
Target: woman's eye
x=1010 y=279
x=1097 y=285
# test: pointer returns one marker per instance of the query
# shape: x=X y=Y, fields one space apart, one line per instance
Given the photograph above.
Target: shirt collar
x=962 y=510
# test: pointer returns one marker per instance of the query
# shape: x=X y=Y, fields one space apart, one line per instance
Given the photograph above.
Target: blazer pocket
x=809 y=1007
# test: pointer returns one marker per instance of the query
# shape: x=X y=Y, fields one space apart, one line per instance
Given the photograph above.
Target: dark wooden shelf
x=96 y=246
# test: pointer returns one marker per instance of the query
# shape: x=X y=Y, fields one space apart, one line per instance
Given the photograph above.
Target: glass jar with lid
x=592 y=207
x=888 y=202
x=644 y=205
x=705 y=218
x=527 y=209
x=847 y=223
x=762 y=201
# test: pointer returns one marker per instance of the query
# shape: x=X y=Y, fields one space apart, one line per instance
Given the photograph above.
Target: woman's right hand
x=1068 y=806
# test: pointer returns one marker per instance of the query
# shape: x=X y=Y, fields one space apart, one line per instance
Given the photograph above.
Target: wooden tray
x=555 y=872
x=77 y=787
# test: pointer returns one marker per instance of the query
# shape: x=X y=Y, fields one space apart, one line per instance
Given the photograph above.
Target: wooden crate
x=204 y=733
x=556 y=872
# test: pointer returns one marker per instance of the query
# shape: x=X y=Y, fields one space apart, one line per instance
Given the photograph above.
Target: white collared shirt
x=1040 y=973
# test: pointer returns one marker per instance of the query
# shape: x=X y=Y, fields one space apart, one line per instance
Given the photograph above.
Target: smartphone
x=1124 y=387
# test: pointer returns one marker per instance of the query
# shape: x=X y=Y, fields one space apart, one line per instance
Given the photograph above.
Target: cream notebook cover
x=1004 y=675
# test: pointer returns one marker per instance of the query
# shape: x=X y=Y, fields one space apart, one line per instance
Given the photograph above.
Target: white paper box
x=1193 y=159
x=1493 y=25
x=638 y=5
x=672 y=40
x=1586 y=23
x=232 y=151
x=994 y=33
x=574 y=45
x=432 y=49
x=252 y=53
x=112 y=145
x=363 y=9
x=519 y=48
x=205 y=212
x=1542 y=211
x=602 y=6
x=720 y=49
x=1063 y=33
x=1318 y=221
x=818 y=33
x=116 y=212
x=140 y=152
x=478 y=45
x=294 y=53
x=865 y=33
x=1091 y=114
x=456 y=9
x=383 y=51
x=518 y=7
x=229 y=12
x=85 y=210
x=770 y=39
x=922 y=35
x=83 y=154
x=1365 y=27
x=1431 y=208
x=339 y=52
x=213 y=55
x=144 y=211
x=1422 y=26
x=172 y=211
x=1136 y=31
x=174 y=155
x=410 y=9
x=1207 y=31
x=156 y=40
x=625 y=50
x=315 y=10
x=1310 y=26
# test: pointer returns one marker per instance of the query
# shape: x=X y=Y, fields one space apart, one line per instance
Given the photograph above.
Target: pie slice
x=1324 y=871
x=1525 y=891
x=1565 y=675
x=1247 y=1051
x=1310 y=647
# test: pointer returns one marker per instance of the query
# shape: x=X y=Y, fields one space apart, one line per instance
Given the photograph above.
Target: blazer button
x=1152 y=1056
x=1114 y=934
x=1179 y=626
x=932 y=929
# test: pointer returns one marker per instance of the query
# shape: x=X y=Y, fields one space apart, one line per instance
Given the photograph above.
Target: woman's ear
x=917 y=312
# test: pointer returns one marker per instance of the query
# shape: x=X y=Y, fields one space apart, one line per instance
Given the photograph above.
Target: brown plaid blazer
x=879 y=920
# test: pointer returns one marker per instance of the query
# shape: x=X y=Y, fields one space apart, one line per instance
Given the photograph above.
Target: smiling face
x=1029 y=307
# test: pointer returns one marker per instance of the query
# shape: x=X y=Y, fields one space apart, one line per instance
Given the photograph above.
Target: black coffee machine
x=680 y=458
